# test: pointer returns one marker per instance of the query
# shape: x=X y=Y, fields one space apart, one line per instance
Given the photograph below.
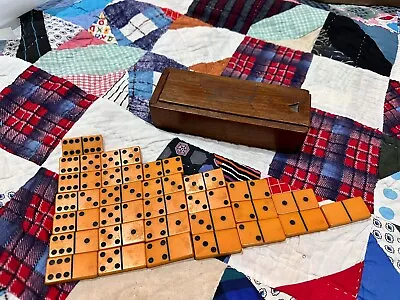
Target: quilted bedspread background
x=84 y=67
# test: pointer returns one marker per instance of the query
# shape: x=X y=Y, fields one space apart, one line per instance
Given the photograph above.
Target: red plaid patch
x=339 y=159
x=391 y=118
x=260 y=61
x=34 y=118
x=30 y=215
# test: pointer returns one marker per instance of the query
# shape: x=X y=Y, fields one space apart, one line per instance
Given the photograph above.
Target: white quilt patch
x=190 y=46
x=395 y=74
x=138 y=27
x=10 y=69
x=388 y=237
x=180 y=6
x=305 y=257
x=347 y=91
x=15 y=172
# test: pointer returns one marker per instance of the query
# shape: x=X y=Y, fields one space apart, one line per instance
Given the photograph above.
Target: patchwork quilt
x=84 y=67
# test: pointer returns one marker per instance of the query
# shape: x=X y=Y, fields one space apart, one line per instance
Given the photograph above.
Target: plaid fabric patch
x=391 y=117
x=26 y=223
x=137 y=24
x=36 y=111
x=96 y=85
x=236 y=15
x=143 y=78
x=339 y=159
x=264 y=62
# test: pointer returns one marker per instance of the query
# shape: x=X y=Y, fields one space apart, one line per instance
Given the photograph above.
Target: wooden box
x=227 y=109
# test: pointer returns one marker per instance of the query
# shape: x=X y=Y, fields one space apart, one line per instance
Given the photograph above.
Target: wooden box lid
x=229 y=98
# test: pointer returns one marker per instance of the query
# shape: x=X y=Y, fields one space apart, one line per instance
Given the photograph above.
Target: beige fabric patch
x=305 y=43
x=191 y=279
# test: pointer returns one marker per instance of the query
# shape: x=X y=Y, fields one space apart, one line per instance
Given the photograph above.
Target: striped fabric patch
x=34 y=41
x=234 y=171
x=119 y=92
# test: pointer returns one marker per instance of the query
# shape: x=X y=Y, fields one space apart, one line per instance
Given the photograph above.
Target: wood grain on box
x=227 y=109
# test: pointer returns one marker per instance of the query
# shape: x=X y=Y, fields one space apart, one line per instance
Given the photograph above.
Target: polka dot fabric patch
x=387 y=198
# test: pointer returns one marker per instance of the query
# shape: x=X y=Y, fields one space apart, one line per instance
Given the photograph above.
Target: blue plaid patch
x=141 y=82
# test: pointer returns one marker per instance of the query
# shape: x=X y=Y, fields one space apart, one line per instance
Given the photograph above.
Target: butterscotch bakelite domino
x=134 y=256
x=84 y=265
x=356 y=209
x=115 y=213
x=335 y=214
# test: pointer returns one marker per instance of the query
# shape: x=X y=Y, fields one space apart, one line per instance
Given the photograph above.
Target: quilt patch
x=236 y=15
x=292 y=24
x=389 y=158
x=342 y=39
x=95 y=84
x=391 y=118
x=235 y=172
x=194 y=159
x=379 y=276
x=34 y=41
x=82 y=39
x=82 y=13
x=194 y=45
x=119 y=93
x=137 y=24
x=264 y=62
x=36 y=111
x=26 y=222
x=111 y=58
x=339 y=159
x=59 y=31
x=343 y=285
x=388 y=237
x=387 y=198
x=10 y=48
x=346 y=91
x=235 y=285
x=102 y=30
x=143 y=78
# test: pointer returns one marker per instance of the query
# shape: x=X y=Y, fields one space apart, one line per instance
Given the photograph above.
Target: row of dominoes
x=74 y=178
